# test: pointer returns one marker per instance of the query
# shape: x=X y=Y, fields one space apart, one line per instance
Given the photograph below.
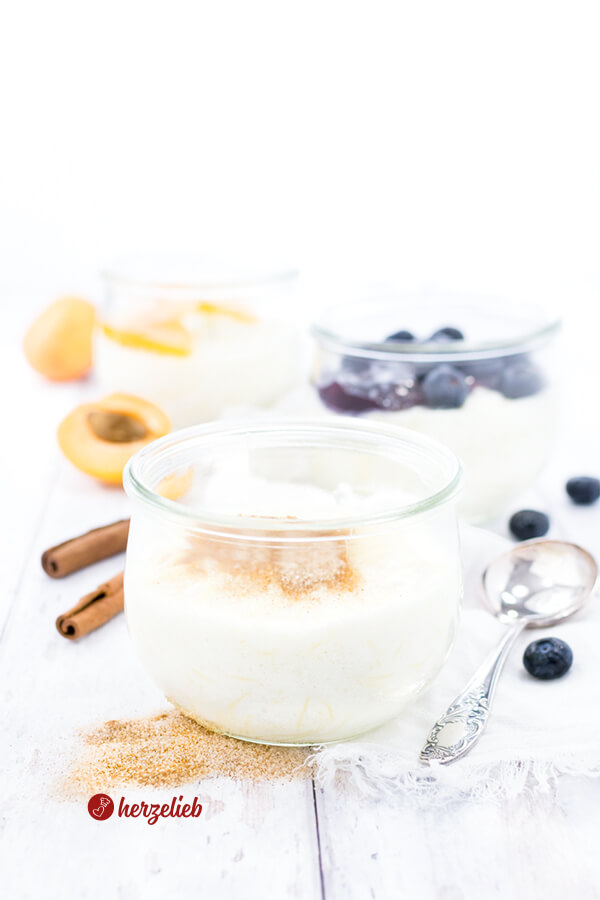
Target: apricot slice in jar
x=170 y=338
x=209 y=308
x=99 y=438
x=176 y=485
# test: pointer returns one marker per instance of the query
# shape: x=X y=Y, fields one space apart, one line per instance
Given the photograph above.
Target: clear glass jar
x=305 y=585
x=194 y=336
x=488 y=395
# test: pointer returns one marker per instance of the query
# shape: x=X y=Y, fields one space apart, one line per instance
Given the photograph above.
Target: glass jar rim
x=129 y=272
x=452 y=351
x=239 y=526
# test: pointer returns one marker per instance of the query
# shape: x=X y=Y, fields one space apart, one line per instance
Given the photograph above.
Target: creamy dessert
x=293 y=633
x=490 y=401
x=502 y=443
x=314 y=642
x=195 y=359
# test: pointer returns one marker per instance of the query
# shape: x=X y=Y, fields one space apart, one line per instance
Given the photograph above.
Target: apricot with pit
x=58 y=344
x=99 y=438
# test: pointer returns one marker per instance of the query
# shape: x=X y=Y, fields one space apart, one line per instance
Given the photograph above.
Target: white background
x=453 y=143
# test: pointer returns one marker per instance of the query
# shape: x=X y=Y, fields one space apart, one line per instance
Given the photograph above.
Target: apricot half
x=99 y=438
x=58 y=344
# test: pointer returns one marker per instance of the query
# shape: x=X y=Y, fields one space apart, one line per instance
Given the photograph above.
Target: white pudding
x=226 y=362
x=502 y=443
x=293 y=641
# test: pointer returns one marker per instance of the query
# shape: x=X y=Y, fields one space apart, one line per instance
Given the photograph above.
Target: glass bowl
x=473 y=373
x=292 y=581
x=195 y=336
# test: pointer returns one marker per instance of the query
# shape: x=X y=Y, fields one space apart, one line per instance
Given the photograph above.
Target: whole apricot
x=58 y=344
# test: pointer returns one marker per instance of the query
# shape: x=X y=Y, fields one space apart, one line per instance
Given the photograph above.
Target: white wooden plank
x=254 y=839
x=531 y=848
x=29 y=458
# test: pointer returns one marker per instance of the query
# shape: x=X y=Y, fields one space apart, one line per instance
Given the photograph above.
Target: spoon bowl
x=535 y=584
x=541 y=582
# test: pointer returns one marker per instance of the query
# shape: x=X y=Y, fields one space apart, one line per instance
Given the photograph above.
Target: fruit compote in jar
x=475 y=375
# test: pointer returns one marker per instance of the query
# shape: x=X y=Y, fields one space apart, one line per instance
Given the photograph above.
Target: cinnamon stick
x=88 y=548
x=93 y=610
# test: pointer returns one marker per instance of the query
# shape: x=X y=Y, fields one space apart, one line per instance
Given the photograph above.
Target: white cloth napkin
x=537 y=729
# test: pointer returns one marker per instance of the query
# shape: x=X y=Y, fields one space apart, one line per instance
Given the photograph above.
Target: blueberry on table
x=521 y=379
x=444 y=387
x=336 y=398
x=403 y=335
x=583 y=490
x=449 y=333
x=528 y=524
x=548 y=658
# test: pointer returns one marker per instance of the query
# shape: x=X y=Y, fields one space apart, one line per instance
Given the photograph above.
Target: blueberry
x=529 y=523
x=583 y=490
x=403 y=335
x=443 y=335
x=444 y=387
x=548 y=658
x=486 y=372
x=521 y=379
x=338 y=399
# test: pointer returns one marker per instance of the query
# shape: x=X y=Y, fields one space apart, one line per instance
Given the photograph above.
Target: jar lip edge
x=428 y=352
x=231 y=525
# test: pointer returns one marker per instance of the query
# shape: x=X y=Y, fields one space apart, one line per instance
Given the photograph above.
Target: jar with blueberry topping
x=470 y=372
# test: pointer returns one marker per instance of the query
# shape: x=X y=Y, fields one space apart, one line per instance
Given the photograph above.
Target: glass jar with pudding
x=304 y=585
x=469 y=372
x=195 y=337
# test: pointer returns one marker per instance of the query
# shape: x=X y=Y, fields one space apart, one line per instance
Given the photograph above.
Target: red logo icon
x=101 y=807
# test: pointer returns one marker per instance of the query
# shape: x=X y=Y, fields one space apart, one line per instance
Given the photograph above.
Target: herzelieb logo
x=101 y=807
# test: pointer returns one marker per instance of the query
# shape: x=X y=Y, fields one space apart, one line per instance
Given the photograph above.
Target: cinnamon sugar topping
x=297 y=568
x=169 y=750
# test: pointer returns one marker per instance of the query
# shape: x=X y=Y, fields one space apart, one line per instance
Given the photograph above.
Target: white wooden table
x=253 y=840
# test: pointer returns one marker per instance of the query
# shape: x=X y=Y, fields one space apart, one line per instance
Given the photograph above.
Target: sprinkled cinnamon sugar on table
x=169 y=750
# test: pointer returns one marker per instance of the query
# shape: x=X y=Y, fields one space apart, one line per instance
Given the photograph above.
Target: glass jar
x=195 y=337
x=473 y=374
x=305 y=584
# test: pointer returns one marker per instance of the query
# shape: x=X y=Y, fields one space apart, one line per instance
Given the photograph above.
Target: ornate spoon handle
x=460 y=727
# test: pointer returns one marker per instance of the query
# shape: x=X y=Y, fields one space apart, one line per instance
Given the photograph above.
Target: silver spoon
x=534 y=585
